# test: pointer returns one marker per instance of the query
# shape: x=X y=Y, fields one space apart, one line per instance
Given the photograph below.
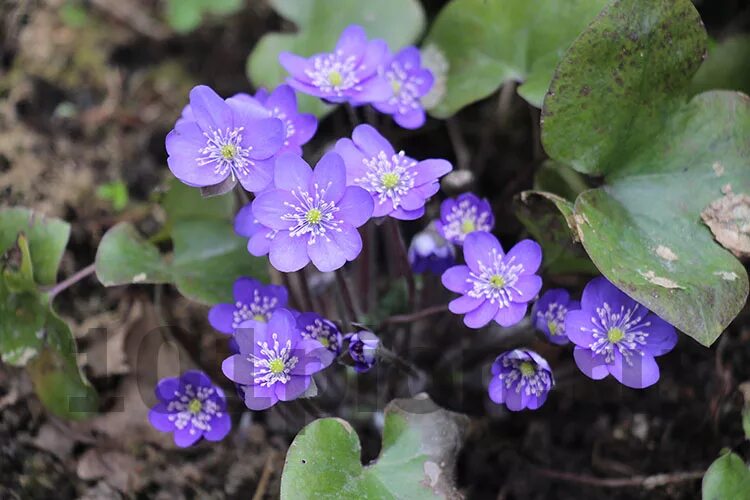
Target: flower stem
x=346 y=294
x=72 y=280
x=411 y=318
x=353 y=118
x=306 y=293
x=403 y=258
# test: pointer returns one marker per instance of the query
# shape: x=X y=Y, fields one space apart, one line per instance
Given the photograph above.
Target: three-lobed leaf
x=490 y=42
x=619 y=107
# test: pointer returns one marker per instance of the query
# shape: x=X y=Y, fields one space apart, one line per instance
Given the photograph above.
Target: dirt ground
x=86 y=104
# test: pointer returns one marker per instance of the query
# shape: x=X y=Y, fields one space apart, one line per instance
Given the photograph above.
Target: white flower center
x=274 y=363
x=621 y=330
x=388 y=177
x=334 y=73
x=224 y=151
x=312 y=214
x=465 y=218
x=496 y=279
x=405 y=87
x=259 y=309
x=193 y=406
x=554 y=316
x=526 y=376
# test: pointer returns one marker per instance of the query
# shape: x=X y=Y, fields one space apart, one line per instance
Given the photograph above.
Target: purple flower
x=494 y=285
x=409 y=82
x=615 y=335
x=549 y=313
x=191 y=407
x=362 y=349
x=260 y=237
x=520 y=379
x=429 y=251
x=399 y=185
x=299 y=127
x=253 y=301
x=219 y=139
x=348 y=74
x=275 y=362
x=316 y=327
x=464 y=215
x=315 y=213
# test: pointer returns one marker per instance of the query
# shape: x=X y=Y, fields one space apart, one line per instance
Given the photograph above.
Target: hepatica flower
x=348 y=74
x=520 y=379
x=549 y=314
x=430 y=252
x=218 y=140
x=259 y=236
x=464 y=215
x=493 y=284
x=316 y=327
x=253 y=301
x=315 y=213
x=409 y=82
x=275 y=361
x=615 y=335
x=398 y=184
x=363 y=347
x=191 y=407
x=299 y=128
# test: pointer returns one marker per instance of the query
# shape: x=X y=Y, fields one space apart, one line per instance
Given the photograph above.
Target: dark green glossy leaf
x=319 y=24
x=489 y=42
x=727 y=478
x=420 y=444
x=618 y=106
x=124 y=257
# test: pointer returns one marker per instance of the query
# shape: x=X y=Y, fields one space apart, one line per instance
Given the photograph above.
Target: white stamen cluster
x=182 y=408
x=260 y=307
x=312 y=214
x=388 y=177
x=465 y=218
x=554 y=315
x=405 y=87
x=621 y=330
x=334 y=73
x=496 y=279
x=536 y=383
x=323 y=333
x=224 y=151
x=274 y=363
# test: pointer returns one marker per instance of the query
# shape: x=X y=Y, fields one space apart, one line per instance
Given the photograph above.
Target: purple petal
x=481 y=247
x=592 y=365
x=295 y=65
x=356 y=206
x=313 y=357
x=238 y=369
x=260 y=176
x=305 y=126
x=376 y=54
x=528 y=287
x=409 y=57
x=456 y=279
x=600 y=291
x=370 y=142
x=641 y=373
x=412 y=119
x=330 y=174
x=265 y=137
x=210 y=110
x=259 y=244
x=259 y=397
x=246 y=110
x=428 y=80
x=166 y=389
x=511 y=315
x=221 y=317
x=382 y=208
x=662 y=336
x=270 y=206
x=278 y=292
x=402 y=214
x=347 y=240
x=244 y=288
x=375 y=89
x=515 y=401
x=288 y=254
x=183 y=438
x=183 y=154
x=412 y=201
x=353 y=159
x=496 y=390
x=430 y=170
x=482 y=315
x=220 y=427
x=158 y=416
x=196 y=378
x=325 y=254
x=353 y=41
x=577 y=327
x=292 y=173
x=527 y=253
x=284 y=98
x=294 y=388
x=245 y=223
x=386 y=107
x=248 y=334
x=535 y=402
x=464 y=304
x=284 y=325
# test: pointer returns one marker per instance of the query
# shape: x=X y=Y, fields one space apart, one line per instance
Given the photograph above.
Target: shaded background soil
x=82 y=105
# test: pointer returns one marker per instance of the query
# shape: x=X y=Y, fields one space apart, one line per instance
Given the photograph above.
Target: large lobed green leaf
x=319 y=24
x=619 y=106
x=727 y=478
x=420 y=444
x=489 y=42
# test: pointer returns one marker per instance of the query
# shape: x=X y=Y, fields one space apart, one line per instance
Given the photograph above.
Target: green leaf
x=489 y=42
x=727 y=66
x=19 y=271
x=727 y=478
x=420 y=444
x=22 y=320
x=185 y=203
x=319 y=24
x=186 y=15
x=124 y=257
x=618 y=106
x=47 y=238
x=116 y=193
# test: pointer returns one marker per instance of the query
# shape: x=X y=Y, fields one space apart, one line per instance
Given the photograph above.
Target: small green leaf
x=319 y=24
x=124 y=257
x=185 y=203
x=619 y=106
x=116 y=193
x=727 y=478
x=74 y=14
x=489 y=42
x=420 y=444
x=22 y=319
x=186 y=15
x=47 y=238
x=727 y=66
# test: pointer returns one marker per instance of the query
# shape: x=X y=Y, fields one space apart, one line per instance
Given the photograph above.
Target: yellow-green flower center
x=552 y=326
x=276 y=366
x=228 y=151
x=468 y=226
x=313 y=216
x=324 y=341
x=526 y=369
x=390 y=180
x=615 y=335
x=260 y=317
x=195 y=406
x=497 y=281
x=396 y=86
x=335 y=78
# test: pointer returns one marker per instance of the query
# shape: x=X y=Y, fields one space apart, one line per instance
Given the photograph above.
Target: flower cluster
x=520 y=379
